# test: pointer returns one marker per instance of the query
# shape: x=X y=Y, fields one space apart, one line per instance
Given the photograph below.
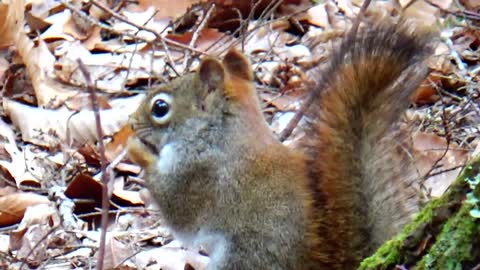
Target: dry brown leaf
x=206 y=39
x=317 y=15
x=99 y=13
x=15 y=169
x=89 y=152
x=33 y=236
x=424 y=13
x=45 y=127
x=427 y=149
x=13 y=161
x=118 y=142
x=469 y=4
x=426 y=93
x=6 y=133
x=347 y=7
x=132 y=197
x=281 y=102
x=84 y=186
x=116 y=46
x=165 y=8
x=71 y=28
x=35 y=23
x=128 y=168
x=7 y=190
x=94 y=40
x=129 y=197
x=144 y=19
x=84 y=101
x=11 y=21
x=13 y=206
x=37 y=12
x=41 y=8
x=263 y=40
x=4 y=247
x=4 y=64
x=40 y=66
x=115 y=252
x=108 y=71
x=444 y=4
x=56 y=30
x=171 y=257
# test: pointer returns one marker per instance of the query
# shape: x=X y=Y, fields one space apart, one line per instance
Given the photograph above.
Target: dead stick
x=195 y=36
x=103 y=162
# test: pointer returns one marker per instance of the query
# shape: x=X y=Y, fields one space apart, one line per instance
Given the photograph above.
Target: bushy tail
x=364 y=180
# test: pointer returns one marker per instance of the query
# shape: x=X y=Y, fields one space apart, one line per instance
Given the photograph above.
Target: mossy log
x=444 y=235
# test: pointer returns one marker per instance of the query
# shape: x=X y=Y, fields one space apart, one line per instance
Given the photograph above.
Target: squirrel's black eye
x=161 y=108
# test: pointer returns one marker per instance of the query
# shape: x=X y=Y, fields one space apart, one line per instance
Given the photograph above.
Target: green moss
x=454 y=244
x=454 y=241
x=385 y=256
x=389 y=254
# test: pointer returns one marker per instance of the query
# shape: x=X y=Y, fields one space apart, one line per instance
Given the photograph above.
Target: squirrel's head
x=217 y=98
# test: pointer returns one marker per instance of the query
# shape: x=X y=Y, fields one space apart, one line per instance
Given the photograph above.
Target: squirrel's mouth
x=150 y=146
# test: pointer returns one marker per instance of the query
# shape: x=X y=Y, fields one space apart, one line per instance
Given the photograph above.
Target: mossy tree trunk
x=445 y=234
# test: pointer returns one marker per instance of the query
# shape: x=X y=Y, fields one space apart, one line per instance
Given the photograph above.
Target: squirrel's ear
x=238 y=65
x=211 y=72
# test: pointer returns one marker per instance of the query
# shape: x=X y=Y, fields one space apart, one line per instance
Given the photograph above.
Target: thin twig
x=447 y=134
x=103 y=161
x=196 y=34
x=353 y=31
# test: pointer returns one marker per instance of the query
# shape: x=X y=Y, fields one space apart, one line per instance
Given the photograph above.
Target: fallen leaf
x=206 y=39
x=15 y=168
x=4 y=244
x=34 y=234
x=426 y=93
x=83 y=186
x=94 y=41
x=423 y=13
x=347 y=7
x=45 y=127
x=132 y=197
x=118 y=142
x=428 y=149
x=171 y=257
x=40 y=63
x=317 y=15
x=72 y=28
x=144 y=19
x=110 y=71
x=55 y=31
x=115 y=252
x=11 y=21
x=164 y=8
x=13 y=206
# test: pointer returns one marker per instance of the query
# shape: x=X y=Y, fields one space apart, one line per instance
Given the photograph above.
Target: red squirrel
x=224 y=182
